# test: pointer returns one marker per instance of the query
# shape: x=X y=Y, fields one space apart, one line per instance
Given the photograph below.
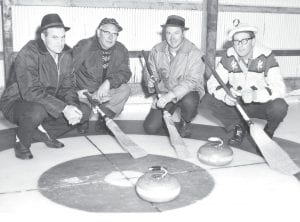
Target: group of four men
x=48 y=81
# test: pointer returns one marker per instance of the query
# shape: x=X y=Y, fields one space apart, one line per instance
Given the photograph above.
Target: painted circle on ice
x=96 y=183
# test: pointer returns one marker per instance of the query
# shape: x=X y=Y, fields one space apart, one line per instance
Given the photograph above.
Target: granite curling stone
x=157 y=185
x=215 y=152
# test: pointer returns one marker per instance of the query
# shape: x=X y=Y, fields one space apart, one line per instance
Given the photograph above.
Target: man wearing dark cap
x=102 y=68
x=177 y=67
x=252 y=73
x=40 y=89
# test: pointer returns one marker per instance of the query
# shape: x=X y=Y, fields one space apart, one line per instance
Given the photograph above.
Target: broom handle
x=157 y=91
x=237 y=104
x=94 y=104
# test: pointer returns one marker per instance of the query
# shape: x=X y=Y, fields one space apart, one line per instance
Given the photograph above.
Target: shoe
x=100 y=127
x=268 y=132
x=22 y=152
x=109 y=113
x=53 y=143
x=45 y=138
x=237 y=137
x=185 y=129
x=83 y=128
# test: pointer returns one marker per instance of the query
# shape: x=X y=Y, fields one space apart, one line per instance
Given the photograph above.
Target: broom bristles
x=274 y=155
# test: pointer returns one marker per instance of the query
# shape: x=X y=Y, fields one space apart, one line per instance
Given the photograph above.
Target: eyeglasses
x=242 y=41
x=108 y=33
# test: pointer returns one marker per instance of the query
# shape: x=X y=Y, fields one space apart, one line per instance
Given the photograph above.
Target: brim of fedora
x=164 y=26
x=52 y=26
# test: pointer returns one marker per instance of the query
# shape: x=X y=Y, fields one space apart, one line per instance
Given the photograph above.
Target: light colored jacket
x=181 y=76
x=262 y=78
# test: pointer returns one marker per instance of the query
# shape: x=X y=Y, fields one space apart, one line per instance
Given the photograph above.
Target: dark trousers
x=273 y=112
x=29 y=115
x=188 y=106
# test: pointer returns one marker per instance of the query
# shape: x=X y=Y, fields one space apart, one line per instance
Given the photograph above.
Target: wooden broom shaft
x=157 y=91
x=94 y=104
x=215 y=74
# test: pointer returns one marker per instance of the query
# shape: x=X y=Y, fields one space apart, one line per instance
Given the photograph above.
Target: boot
x=83 y=128
x=238 y=136
x=22 y=152
x=108 y=112
x=45 y=138
x=185 y=129
x=100 y=127
x=268 y=131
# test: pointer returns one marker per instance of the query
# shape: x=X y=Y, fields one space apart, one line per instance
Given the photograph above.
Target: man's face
x=107 y=35
x=54 y=39
x=243 y=44
x=174 y=36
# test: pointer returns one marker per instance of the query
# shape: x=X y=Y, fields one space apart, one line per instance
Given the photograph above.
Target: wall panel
x=142 y=28
x=276 y=31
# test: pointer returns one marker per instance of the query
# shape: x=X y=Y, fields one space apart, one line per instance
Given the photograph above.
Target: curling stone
x=157 y=185
x=215 y=152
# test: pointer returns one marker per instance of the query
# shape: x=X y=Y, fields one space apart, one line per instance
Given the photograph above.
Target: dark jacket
x=35 y=77
x=88 y=65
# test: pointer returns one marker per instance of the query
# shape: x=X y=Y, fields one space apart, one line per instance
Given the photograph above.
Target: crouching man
x=41 y=89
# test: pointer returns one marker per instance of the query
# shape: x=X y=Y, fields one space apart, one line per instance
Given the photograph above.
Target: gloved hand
x=247 y=95
x=164 y=99
x=229 y=100
x=261 y=95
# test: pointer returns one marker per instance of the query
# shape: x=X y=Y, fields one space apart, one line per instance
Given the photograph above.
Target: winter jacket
x=181 y=76
x=88 y=65
x=35 y=77
x=262 y=77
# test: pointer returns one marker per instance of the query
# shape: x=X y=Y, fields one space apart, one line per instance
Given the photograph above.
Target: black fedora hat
x=175 y=20
x=52 y=20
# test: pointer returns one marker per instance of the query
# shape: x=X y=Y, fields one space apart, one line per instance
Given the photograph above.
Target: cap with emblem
x=240 y=27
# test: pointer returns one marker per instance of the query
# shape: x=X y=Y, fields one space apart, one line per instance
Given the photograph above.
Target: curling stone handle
x=162 y=170
x=218 y=141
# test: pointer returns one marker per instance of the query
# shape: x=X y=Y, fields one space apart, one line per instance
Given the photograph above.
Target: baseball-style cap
x=110 y=21
x=240 y=27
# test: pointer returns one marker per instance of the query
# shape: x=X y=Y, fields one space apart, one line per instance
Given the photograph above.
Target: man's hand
x=82 y=98
x=151 y=82
x=229 y=100
x=72 y=114
x=164 y=99
x=103 y=93
x=247 y=96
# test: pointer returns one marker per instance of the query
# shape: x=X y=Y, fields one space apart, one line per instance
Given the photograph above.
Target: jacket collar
x=96 y=45
x=257 y=51
x=42 y=48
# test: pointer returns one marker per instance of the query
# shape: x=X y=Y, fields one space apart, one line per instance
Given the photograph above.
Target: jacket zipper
x=58 y=72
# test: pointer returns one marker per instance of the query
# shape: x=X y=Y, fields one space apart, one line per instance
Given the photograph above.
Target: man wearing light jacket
x=252 y=73
x=177 y=66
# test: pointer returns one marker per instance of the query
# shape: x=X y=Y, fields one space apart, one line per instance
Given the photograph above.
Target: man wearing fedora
x=102 y=68
x=177 y=67
x=40 y=89
x=253 y=76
